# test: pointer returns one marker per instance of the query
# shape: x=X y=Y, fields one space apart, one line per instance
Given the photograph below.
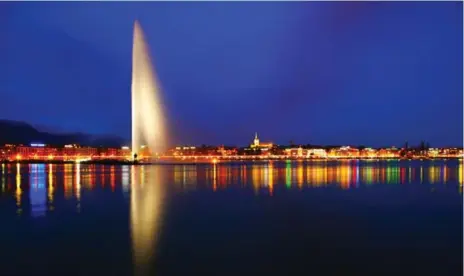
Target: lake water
x=279 y=218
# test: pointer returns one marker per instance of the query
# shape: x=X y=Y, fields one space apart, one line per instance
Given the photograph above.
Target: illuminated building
x=368 y=153
x=257 y=145
x=73 y=152
x=388 y=153
x=144 y=152
x=433 y=153
x=344 y=152
x=125 y=152
x=258 y=148
x=183 y=151
x=296 y=152
x=317 y=153
x=33 y=152
x=226 y=151
x=77 y=153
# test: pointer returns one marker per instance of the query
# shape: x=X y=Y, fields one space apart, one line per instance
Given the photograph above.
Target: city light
x=37 y=145
x=214 y=154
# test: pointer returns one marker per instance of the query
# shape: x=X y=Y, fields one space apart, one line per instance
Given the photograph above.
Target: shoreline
x=222 y=161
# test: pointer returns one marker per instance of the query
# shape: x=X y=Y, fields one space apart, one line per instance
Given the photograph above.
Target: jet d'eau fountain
x=148 y=122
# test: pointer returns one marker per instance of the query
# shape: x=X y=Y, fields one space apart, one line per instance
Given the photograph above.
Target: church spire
x=256 y=140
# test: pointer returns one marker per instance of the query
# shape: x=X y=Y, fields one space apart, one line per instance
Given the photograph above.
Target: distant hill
x=17 y=132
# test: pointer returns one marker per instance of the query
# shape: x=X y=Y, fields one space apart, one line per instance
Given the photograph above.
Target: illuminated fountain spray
x=148 y=125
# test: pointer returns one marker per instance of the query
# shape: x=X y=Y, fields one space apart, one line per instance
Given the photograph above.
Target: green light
x=389 y=173
x=288 y=174
x=368 y=172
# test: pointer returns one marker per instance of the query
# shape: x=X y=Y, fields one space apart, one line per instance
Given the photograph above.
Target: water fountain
x=148 y=122
x=148 y=129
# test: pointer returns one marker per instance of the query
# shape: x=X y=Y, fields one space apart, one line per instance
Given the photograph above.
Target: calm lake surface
x=278 y=218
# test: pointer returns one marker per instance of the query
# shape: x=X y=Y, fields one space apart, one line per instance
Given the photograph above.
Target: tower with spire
x=258 y=145
x=256 y=140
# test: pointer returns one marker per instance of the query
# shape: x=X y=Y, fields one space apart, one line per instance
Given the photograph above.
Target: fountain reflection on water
x=146 y=200
x=148 y=128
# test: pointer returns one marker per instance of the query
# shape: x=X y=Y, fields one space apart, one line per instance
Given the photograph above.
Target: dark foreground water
x=281 y=218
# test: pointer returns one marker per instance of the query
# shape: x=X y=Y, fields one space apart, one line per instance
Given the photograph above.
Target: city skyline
x=116 y=141
x=373 y=81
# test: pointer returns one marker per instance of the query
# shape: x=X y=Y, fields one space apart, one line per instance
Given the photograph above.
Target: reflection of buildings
x=68 y=180
x=460 y=172
x=125 y=179
x=37 y=191
x=18 y=188
x=51 y=188
x=347 y=175
x=42 y=186
x=185 y=176
x=77 y=186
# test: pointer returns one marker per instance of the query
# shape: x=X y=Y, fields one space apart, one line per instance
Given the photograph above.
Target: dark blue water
x=281 y=218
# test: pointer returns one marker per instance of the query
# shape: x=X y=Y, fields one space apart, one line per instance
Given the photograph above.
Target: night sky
x=375 y=74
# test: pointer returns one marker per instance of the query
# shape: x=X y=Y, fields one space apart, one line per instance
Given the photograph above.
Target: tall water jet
x=148 y=122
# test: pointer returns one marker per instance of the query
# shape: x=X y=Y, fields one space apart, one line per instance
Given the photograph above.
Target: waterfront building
x=72 y=152
x=368 y=153
x=257 y=145
x=296 y=152
x=344 y=152
x=392 y=152
x=227 y=151
x=75 y=152
x=317 y=153
x=433 y=152
x=183 y=151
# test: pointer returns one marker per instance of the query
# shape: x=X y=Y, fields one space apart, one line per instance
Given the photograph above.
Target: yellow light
x=18 y=157
x=214 y=161
x=50 y=157
x=50 y=183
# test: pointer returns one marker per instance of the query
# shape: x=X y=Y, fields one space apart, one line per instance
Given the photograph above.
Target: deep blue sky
x=315 y=72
